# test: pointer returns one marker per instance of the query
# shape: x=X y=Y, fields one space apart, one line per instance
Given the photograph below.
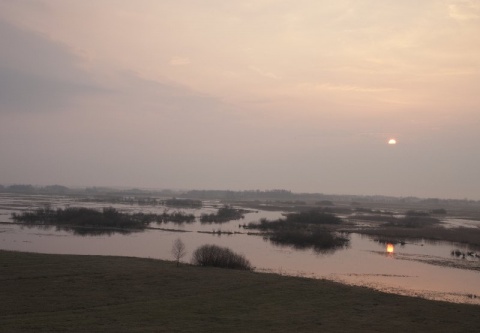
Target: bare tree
x=178 y=250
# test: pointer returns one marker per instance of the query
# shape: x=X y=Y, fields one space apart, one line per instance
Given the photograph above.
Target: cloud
x=264 y=73
x=37 y=74
x=464 y=10
x=179 y=61
x=142 y=94
x=328 y=86
x=40 y=75
x=23 y=91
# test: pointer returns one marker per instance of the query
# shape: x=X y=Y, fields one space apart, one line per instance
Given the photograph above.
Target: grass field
x=65 y=293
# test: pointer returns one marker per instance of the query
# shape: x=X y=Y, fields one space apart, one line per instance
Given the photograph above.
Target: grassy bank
x=115 y=294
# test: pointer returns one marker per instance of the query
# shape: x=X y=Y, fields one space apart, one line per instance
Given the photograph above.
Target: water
x=418 y=268
x=464 y=223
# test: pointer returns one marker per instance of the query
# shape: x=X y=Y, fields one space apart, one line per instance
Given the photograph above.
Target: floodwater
x=418 y=268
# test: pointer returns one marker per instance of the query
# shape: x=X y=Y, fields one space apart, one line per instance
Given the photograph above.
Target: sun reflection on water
x=390 y=248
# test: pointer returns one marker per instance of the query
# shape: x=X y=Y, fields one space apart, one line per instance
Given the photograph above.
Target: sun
x=392 y=142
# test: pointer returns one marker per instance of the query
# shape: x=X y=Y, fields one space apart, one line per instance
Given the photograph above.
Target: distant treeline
x=97 y=192
x=30 y=189
x=228 y=195
x=144 y=200
x=240 y=195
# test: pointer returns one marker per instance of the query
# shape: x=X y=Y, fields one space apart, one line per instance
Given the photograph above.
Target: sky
x=302 y=95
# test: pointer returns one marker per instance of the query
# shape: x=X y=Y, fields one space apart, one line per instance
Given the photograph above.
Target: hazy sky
x=264 y=94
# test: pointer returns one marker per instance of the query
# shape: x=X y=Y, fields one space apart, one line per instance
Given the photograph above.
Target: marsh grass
x=65 y=293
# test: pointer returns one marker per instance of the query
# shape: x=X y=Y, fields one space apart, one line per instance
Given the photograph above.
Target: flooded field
x=418 y=267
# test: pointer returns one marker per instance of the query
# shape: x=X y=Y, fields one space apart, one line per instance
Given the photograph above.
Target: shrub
x=176 y=217
x=224 y=214
x=318 y=238
x=266 y=224
x=86 y=221
x=311 y=217
x=302 y=230
x=216 y=256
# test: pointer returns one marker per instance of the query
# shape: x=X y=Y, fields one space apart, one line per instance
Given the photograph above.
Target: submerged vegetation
x=87 y=221
x=303 y=230
x=224 y=214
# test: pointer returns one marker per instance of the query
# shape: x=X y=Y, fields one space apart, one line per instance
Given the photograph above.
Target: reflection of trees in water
x=321 y=250
x=320 y=240
x=82 y=231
